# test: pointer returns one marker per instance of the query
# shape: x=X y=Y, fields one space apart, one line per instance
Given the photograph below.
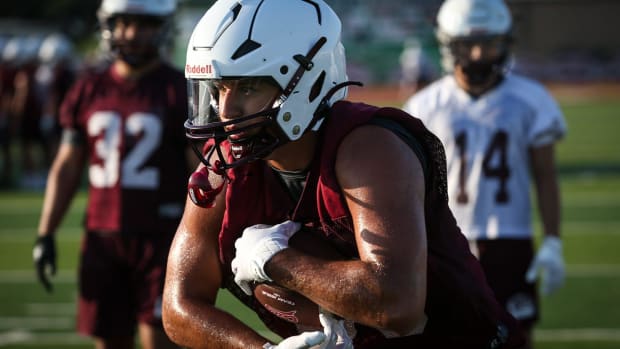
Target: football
x=290 y=305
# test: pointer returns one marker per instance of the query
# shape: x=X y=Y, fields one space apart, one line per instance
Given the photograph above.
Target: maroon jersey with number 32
x=137 y=169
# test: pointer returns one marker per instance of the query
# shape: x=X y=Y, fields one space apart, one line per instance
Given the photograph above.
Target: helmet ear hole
x=317 y=87
x=283 y=70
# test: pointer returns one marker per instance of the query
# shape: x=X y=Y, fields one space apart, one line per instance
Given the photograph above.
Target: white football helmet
x=160 y=11
x=10 y=51
x=55 y=48
x=3 y=42
x=471 y=20
x=19 y=51
x=294 y=43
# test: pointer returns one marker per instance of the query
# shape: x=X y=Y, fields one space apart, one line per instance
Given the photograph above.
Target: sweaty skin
x=353 y=289
x=385 y=289
x=389 y=254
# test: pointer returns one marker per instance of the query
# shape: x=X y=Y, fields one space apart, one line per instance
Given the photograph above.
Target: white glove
x=300 y=341
x=550 y=262
x=255 y=247
x=335 y=333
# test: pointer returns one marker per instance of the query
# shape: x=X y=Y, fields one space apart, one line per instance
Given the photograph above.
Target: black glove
x=44 y=255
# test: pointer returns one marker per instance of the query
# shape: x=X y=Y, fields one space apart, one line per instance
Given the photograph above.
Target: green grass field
x=584 y=314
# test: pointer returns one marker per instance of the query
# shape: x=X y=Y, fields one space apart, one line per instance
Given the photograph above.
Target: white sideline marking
x=576 y=228
x=15 y=336
x=69 y=275
x=29 y=276
x=23 y=337
x=570 y=228
x=593 y=270
x=36 y=309
x=37 y=322
x=577 y=334
x=9 y=234
x=550 y=335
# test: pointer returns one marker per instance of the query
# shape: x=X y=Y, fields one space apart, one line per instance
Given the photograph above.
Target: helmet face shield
x=202 y=108
x=251 y=136
x=490 y=47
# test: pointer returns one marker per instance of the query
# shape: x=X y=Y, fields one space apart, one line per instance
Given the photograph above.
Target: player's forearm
x=547 y=189
x=194 y=324
x=63 y=181
x=193 y=279
x=549 y=206
x=355 y=290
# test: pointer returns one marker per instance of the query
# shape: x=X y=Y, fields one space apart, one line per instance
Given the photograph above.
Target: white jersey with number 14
x=487 y=142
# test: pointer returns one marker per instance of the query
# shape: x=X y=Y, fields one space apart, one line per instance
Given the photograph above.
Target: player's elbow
x=170 y=325
x=405 y=318
x=172 y=320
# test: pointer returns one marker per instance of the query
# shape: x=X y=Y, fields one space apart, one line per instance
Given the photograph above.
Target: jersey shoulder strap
x=406 y=137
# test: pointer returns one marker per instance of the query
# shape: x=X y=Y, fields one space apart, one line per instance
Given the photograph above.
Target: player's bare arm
x=192 y=282
x=547 y=188
x=63 y=180
x=386 y=288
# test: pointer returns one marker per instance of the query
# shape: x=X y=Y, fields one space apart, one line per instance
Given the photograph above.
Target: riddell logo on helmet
x=198 y=69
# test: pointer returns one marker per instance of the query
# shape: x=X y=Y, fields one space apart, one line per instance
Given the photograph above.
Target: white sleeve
x=415 y=106
x=548 y=124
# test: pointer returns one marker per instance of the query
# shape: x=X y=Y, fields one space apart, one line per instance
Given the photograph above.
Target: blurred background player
x=124 y=122
x=6 y=91
x=496 y=128
x=416 y=68
x=54 y=77
x=23 y=108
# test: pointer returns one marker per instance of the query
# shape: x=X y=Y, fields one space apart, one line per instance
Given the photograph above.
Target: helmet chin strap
x=321 y=110
x=136 y=61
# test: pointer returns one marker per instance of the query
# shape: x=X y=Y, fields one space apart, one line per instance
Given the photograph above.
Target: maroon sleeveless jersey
x=460 y=306
x=133 y=129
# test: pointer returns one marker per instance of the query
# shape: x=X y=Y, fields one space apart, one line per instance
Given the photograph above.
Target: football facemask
x=489 y=65
x=141 y=49
x=251 y=137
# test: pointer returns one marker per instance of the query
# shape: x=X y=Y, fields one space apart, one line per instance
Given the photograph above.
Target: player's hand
x=255 y=247
x=300 y=341
x=335 y=332
x=550 y=263
x=44 y=256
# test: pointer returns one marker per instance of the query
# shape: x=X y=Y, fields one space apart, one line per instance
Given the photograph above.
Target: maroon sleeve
x=70 y=105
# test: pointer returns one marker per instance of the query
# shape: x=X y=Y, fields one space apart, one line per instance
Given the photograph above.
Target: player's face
x=237 y=98
x=476 y=61
x=136 y=37
x=478 y=49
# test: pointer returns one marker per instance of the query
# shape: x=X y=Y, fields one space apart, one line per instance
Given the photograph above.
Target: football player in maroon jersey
x=267 y=85
x=124 y=122
x=55 y=75
x=7 y=77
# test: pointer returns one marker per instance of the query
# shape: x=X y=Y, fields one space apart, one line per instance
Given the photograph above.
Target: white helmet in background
x=157 y=8
x=55 y=48
x=471 y=20
x=10 y=52
x=293 y=43
x=160 y=11
x=3 y=42
x=21 y=50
